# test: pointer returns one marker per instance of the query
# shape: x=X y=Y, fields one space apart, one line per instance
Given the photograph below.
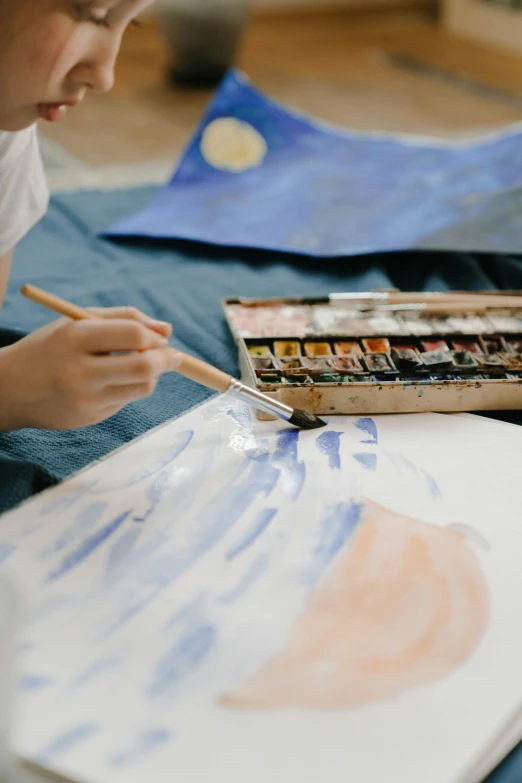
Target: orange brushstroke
x=404 y=604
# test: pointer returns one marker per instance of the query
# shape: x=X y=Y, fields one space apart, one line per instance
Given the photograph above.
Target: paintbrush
x=451 y=301
x=192 y=368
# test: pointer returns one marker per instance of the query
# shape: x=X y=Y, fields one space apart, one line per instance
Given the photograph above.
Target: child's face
x=53 y=51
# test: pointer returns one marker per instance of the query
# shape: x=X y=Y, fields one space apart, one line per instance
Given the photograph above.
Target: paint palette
x=349 y=358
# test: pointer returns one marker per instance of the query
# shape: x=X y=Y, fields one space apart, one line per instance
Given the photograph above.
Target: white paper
x=181 y=592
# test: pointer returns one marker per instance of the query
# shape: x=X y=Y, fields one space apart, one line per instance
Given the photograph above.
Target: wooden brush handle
x=56 y=303
x=203 y=373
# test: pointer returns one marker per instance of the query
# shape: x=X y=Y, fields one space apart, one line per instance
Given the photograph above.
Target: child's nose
x=97 y=73
x=101 y=77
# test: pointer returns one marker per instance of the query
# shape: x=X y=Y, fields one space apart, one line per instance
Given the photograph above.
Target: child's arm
x=5 y=266
x=63 y=375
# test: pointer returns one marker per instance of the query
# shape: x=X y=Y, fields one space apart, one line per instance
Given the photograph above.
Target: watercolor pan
x=512 y=361
x=321 y=364
x=464 y=360
x=405 y=357
x=466 y=345
x=515 y=344
x=284 y=348
x=314 y=350
x=349 y=364
x=439 y=357
x=262 y=362
x=376 y=345
x=289 y=363
x=334 y=358
x=495 y=344
x=348 y=349
x=380 y=363
x=433 y=345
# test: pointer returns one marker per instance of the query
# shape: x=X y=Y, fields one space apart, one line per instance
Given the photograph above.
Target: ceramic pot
x=202 y=37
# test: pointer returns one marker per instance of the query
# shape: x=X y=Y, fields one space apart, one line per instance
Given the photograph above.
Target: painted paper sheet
x=259 y=175
x=236 y=600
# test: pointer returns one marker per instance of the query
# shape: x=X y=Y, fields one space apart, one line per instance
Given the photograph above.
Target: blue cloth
x=326 y=192
x=184 y=284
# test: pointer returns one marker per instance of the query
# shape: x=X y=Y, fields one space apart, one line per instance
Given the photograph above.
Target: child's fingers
x=133 y=314
x=116 y=335
x=140 y=368
x=121 y=395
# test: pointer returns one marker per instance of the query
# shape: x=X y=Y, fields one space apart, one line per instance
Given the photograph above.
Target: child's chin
x=18 y=121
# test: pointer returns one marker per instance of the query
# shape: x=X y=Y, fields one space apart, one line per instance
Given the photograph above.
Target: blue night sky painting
x=323 y=192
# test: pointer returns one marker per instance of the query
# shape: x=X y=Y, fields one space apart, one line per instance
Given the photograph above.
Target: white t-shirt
x=24 y=194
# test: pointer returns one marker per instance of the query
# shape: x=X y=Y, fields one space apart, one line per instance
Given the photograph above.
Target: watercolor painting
x=265 y=593
x=257 y=174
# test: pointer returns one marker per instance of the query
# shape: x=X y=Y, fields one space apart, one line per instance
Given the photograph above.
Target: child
x=65 y=375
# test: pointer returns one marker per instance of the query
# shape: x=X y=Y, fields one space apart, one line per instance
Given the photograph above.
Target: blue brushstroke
x=182 y=659
x=96 y=669
x=285 y=458
x=401 y=461
x=249 y=536
x=70 y=739
x=249 y=579
x=120 y=551
x=336 y=530
x=87 y=519
x=87 y=548
x=191 y=614
x=6 y=550
x=329 y=443
x=367 y=460
x=146 y=743
x=33 y=682
x=181 y=441
x=370 y=428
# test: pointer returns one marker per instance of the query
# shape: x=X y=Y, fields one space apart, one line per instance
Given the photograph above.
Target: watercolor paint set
x=331 y=356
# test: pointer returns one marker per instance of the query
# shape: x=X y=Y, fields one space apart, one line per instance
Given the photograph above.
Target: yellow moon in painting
x=232 y=145
x=405 y=604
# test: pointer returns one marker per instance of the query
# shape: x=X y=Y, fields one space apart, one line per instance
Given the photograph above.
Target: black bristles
x=306 y=421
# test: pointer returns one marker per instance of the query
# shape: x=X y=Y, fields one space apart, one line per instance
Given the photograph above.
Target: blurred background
x=452 y=70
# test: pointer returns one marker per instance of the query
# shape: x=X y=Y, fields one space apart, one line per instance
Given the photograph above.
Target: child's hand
x=63 y=376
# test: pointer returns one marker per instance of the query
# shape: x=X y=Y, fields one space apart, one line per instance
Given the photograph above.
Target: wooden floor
x=390 y=70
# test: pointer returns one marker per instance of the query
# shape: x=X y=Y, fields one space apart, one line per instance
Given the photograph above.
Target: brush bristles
x=306 y=421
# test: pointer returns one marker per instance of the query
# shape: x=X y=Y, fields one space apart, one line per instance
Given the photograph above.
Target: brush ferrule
x=259 y=400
